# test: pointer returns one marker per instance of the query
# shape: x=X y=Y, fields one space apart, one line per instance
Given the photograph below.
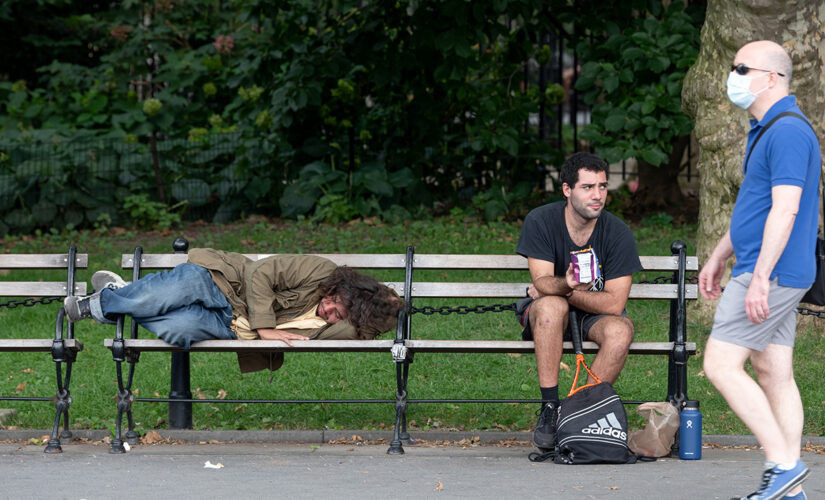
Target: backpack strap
x=542 y=457
x=766 y=127
x=635 y=457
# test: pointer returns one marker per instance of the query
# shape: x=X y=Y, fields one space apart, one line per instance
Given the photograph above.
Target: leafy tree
x=633 y=79
x=332 y=108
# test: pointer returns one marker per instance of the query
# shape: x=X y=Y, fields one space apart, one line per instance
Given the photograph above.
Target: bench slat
x=467 y=346
x=517 y=262
x=38 y=288
x=420 y=261
x=42 y=261
x=260 y=345
x=520 y=346
x=518 y=290
x=361 y=261
x=37 y=345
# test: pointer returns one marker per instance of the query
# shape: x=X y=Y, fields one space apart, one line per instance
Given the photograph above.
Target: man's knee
x=613 y=331
x=771 y=368
x=718 y=362
x=547 y=310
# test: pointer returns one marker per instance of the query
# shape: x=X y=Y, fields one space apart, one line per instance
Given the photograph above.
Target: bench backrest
x=459 y=289
x=442 y=289
x=158 y=261
x=9 y=287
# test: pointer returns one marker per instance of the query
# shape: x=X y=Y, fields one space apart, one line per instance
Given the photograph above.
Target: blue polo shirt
x=786 y=155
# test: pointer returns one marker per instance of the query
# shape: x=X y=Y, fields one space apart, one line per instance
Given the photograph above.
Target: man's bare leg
x=548 y=318
x=725 y=367
x=614 y=335
x=774 y=371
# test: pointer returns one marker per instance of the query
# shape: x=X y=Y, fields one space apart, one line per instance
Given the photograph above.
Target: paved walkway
x=353 y=469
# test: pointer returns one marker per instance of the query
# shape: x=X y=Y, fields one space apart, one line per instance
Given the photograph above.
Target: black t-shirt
x=544 y=236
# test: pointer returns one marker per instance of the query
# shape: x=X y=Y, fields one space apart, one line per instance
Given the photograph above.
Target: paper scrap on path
x=210 y=465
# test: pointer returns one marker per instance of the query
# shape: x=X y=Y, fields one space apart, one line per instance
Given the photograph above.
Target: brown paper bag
x=657 y=437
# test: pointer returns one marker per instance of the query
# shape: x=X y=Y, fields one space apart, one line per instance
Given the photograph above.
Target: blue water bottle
x=690 y=431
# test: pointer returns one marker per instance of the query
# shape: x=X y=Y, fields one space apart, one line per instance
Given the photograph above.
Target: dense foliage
x=138 y=111
x=340 y=108
x=633 y=78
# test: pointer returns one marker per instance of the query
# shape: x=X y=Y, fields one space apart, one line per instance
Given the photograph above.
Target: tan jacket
x=281 y=286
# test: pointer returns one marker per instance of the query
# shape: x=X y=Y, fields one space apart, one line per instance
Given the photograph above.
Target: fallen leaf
x=27 y=370
x=20 y=388
x=564 y=366
x=439 y=486
x=199 y=394
x=151 y=437
x=221 y=394
x=248 y=242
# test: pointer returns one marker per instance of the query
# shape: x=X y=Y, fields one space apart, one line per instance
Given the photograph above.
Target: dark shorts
x=586 y=320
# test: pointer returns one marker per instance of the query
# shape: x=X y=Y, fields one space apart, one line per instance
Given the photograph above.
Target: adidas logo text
x=607 y=426
x=616 y=433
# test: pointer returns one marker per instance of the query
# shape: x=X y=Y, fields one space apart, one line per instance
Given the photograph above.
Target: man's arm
x=611 y=300
x=778 y=227
x=273 y=334
x=545 y=282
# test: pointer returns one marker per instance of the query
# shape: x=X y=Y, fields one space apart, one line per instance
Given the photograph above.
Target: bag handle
x=575 y=335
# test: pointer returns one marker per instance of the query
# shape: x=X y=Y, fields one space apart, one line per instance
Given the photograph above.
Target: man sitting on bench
x=224 y=295
x=597 y=289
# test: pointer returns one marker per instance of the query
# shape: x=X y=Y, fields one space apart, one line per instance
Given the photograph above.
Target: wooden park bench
x=62 y=345
x=408 y=341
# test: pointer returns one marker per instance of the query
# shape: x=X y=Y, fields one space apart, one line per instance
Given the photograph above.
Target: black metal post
x=180 y=413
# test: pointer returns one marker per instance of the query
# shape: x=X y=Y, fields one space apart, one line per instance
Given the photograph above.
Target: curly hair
x=577 y=161
x=372 y=307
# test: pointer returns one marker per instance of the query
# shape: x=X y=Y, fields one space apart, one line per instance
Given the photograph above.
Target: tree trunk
x=659 y=188
x=721 y=127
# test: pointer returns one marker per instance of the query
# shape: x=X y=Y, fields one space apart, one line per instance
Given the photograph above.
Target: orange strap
x=579 y=363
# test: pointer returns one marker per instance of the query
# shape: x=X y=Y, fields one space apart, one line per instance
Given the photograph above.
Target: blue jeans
x=180 y=306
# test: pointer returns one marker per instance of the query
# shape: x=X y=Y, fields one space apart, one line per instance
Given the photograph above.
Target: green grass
x=353 y=376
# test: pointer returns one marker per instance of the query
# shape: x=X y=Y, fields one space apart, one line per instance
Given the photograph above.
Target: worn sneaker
x=776 y=482
x=77 y=308
x=544 y=435
x=107 y=279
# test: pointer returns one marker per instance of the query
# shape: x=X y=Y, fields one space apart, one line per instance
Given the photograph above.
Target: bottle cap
x=692 y=403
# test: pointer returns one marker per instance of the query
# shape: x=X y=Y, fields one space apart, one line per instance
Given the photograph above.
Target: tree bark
x=721 y=127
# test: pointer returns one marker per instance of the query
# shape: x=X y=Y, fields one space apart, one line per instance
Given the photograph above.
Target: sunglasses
x=743 y=70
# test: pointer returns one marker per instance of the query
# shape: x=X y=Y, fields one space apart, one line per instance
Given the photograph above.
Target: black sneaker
x=107 y=279
x=544 y=435
x=77 y=308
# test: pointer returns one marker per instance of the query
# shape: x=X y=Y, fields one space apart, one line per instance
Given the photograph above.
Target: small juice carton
x=585 y=265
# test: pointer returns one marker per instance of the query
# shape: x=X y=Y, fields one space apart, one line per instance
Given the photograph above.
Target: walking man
x=772 y=234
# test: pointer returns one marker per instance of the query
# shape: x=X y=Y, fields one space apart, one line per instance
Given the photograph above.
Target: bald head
x=768 y=55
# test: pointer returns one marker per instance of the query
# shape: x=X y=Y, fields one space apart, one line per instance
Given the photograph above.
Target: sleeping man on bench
x=224 y=295
x=606 y=250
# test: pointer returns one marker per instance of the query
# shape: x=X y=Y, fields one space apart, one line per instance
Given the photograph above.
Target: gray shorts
x=731 y=323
